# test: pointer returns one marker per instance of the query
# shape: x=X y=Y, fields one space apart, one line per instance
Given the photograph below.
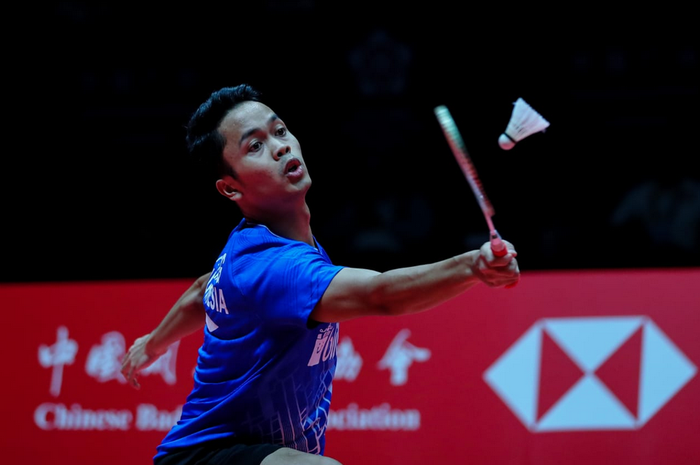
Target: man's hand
x=137 y=359
x=497 y=271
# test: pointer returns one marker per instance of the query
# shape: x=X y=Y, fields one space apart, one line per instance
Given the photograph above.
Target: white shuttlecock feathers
x=523 y=121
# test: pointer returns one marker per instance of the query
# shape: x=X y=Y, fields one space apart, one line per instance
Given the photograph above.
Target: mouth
x=292 y=166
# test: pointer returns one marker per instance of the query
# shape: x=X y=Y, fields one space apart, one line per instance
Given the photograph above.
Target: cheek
x=259 y=178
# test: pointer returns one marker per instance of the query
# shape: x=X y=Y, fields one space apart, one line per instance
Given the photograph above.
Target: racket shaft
x=460 y=153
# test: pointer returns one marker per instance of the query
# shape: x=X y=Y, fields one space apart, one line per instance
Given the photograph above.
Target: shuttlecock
x=523 y=121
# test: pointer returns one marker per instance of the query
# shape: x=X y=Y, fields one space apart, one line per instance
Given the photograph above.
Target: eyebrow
x=250 y=132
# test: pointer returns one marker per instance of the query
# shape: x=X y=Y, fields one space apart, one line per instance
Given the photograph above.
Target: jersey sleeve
x=288 y=285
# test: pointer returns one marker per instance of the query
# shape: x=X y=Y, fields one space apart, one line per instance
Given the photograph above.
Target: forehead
x=244 y=118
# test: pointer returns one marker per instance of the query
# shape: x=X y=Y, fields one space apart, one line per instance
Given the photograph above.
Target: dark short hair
x=204 y=141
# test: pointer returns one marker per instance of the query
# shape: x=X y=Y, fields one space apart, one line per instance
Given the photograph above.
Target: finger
x=133 y=379
x=510 y=248
x=125 y=370
x=130 y=375
x=512 y=285
x=503 y=262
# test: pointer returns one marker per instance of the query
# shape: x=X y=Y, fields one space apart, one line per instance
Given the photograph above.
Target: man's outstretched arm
x=185 y=317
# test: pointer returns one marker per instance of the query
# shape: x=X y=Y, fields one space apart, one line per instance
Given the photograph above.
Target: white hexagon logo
x=589 y=403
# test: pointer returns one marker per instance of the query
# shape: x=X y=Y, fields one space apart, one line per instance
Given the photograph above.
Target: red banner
x=574 y=367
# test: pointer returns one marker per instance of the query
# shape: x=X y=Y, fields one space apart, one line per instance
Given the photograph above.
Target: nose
x=281 y=150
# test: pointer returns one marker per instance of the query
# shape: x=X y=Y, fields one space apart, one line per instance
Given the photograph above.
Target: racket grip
x=497 y=245
x=499 y=249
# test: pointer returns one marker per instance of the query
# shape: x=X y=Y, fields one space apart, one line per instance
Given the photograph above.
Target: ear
x=228 y=188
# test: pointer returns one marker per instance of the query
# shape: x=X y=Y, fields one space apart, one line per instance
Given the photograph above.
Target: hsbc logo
x=589 y=373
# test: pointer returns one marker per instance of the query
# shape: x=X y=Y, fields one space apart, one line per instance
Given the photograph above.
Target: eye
x=281 y=131
x=255 y=146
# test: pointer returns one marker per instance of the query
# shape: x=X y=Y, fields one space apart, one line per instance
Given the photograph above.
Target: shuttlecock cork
x=523 y=121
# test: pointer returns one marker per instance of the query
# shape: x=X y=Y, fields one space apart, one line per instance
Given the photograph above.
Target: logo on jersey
x=326 y=345
x=213 y=296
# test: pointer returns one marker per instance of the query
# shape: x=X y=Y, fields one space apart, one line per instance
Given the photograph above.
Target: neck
x=295 y=225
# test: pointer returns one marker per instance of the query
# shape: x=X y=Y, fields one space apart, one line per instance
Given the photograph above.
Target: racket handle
x=497 y=245
x=499 y=249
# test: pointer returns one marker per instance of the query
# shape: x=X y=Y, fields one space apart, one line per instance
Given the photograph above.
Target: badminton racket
x=459 y=150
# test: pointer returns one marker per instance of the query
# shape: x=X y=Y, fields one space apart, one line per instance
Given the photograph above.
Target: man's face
x=266 y=158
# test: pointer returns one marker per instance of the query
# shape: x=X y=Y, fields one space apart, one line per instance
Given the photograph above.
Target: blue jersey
x=264 y=371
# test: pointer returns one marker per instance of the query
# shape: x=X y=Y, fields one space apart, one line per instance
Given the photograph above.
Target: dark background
x=97 y=183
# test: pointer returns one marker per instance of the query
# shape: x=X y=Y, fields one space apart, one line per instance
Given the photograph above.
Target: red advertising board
x=574 y=367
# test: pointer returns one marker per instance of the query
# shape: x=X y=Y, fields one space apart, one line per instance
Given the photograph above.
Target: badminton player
x=271 y=305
